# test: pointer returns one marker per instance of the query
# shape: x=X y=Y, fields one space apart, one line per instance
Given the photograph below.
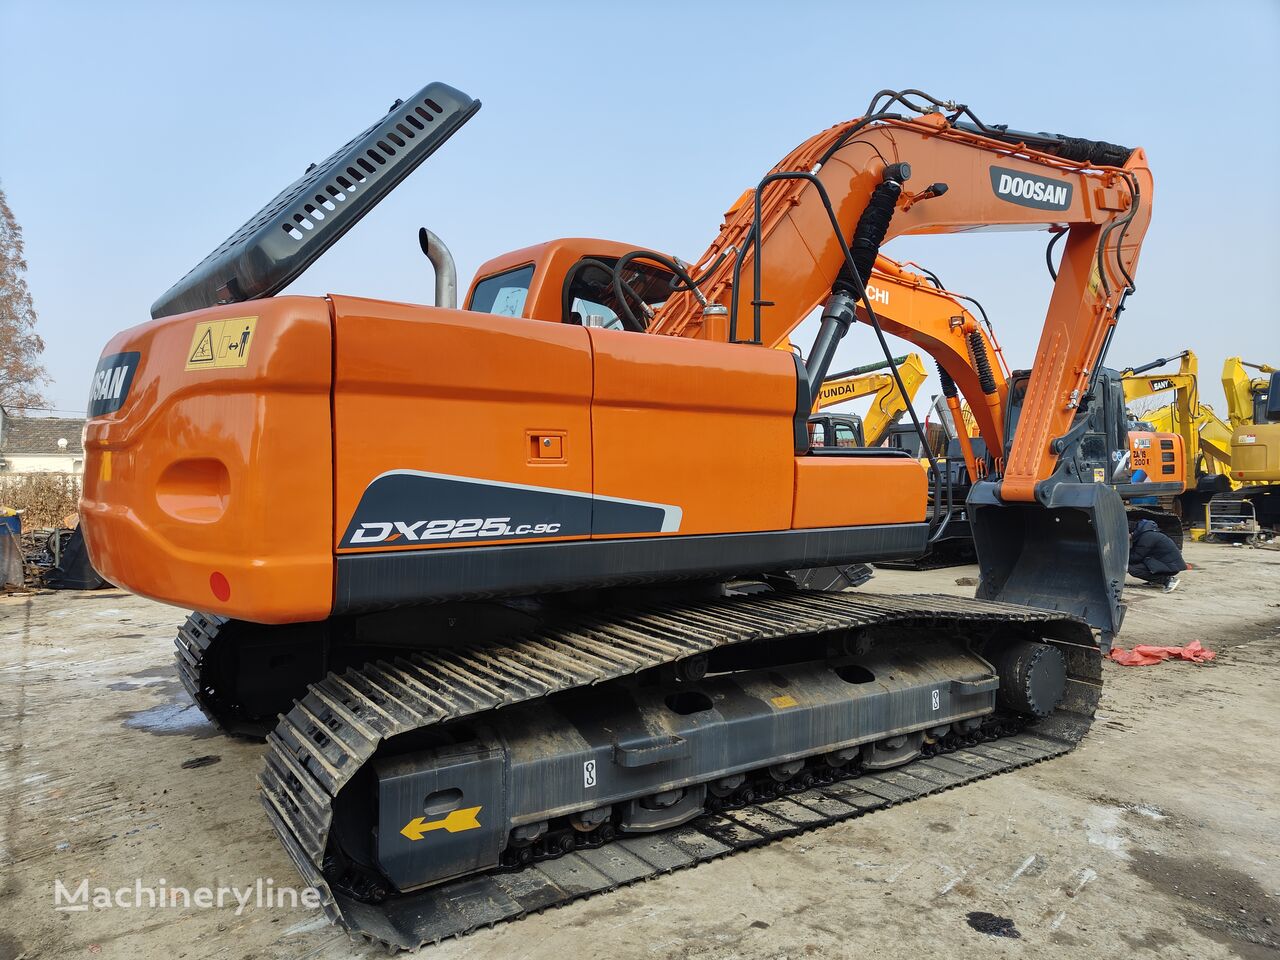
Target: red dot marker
x=220 y=587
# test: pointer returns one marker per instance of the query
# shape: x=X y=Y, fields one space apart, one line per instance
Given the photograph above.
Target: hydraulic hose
x=620 y=286
x=1048 y=253
x=868 y=236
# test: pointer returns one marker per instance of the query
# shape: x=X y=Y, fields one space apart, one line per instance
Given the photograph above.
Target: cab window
x=503 y=293
x=1264 y=408
x=845 y=437
x=817 y=433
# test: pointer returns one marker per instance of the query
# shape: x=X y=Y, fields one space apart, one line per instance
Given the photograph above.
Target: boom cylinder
x=837 y=315
x=868 y=236
x=868 y=368
x=839 y=311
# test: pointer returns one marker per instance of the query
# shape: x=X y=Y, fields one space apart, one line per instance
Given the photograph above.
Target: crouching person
x=1153 y=557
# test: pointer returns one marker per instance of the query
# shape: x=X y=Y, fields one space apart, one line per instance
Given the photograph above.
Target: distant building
x=41 y=444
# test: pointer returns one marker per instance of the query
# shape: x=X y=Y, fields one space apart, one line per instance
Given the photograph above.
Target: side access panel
x=709 y=425
x=455 y=428
x=481 y=455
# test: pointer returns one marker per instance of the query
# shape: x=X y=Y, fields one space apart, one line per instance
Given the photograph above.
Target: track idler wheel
x=1033 y=677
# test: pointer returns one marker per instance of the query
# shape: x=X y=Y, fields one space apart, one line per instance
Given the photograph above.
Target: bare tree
x=22 y=375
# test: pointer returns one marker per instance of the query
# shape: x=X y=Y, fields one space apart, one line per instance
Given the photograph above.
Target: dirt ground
x=1158 y=837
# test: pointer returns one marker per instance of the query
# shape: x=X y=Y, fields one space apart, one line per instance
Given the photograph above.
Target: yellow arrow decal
x=455 y=822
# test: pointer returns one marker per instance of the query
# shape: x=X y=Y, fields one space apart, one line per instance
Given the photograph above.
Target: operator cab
x=576 y=281
x=570 y=281
x=1266 y=402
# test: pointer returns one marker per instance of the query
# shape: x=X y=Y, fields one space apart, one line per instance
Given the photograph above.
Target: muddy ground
x=1157 y=838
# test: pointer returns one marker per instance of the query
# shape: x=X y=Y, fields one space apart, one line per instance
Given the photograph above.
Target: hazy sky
x=134 y=137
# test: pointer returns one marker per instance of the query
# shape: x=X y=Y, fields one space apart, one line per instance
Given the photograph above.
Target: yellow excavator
x=1206 y=438
x=888 y=402
x=1253 y=406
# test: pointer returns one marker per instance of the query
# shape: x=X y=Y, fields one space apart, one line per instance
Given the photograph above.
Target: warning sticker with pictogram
x=218 y=344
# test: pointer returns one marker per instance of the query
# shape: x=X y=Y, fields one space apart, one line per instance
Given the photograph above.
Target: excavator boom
x=789 y=258
x=917 y=309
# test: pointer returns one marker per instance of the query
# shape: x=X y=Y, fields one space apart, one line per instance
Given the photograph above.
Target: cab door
x=706 y=428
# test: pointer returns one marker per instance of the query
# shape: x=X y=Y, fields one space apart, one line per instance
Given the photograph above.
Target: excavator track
x=193 y=641
x=208 y=648
x=333 y=731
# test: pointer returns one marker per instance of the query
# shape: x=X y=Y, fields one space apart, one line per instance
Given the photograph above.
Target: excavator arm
x=919 y=310
x=784 y=248
x=1241 y=389
x=889 y=403
x=857 y=382
x=931 y=317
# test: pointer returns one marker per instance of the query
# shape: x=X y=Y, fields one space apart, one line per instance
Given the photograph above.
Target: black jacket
x=1150 y=548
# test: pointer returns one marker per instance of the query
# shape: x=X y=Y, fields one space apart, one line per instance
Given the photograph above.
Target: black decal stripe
x=410 y=496
x=373 y=581
x=611 y=516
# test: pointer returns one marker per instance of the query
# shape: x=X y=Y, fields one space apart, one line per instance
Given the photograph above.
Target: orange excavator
x=509 y=575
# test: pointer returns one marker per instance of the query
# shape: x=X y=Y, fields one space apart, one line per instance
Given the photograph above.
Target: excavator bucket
x=1068 y=552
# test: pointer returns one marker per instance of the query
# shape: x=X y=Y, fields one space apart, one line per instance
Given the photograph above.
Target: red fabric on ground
x=1143 y=655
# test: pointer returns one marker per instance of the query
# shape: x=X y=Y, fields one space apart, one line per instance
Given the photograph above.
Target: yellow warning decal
x=784 y=701
x=219 y=344
x=1095 y=279
x=455 y=822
